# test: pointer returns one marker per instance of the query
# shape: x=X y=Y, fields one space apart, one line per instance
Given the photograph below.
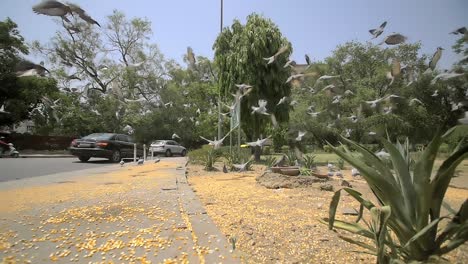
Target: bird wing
x=383 y=25
x=435 y=58
x=88 y=19
x=191 y=56
x=281 y=50
x=396 y=67
x=209 y=141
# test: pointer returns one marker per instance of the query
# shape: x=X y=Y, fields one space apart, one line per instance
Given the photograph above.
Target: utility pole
x=219 y=90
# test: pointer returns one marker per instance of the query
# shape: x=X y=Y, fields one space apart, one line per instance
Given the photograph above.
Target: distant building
x=26 y=126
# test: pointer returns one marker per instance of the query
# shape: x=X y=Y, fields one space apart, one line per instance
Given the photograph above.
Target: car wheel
x=168 y=153
x=183 y=153
x=83 y=159
x=115 y=156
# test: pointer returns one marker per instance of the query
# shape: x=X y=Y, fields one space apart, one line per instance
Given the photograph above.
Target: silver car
x=168 y=148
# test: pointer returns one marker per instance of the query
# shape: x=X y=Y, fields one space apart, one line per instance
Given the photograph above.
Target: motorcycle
x=8 y=150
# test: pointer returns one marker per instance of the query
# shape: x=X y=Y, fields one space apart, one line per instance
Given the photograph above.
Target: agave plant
x=309 y=161
x=270 y=161
x=210 y=158
x=404 y=222
x=291 y=157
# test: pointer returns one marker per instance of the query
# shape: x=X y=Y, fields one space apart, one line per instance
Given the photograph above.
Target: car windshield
x=99 y=136
x=159 y=142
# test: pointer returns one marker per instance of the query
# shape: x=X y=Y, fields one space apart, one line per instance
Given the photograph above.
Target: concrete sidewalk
x=141 y=214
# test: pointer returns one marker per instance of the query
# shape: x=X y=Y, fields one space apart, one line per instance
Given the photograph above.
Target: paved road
x=14 y=169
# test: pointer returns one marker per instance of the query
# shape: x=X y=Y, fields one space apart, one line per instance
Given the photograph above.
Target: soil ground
x=283 y=225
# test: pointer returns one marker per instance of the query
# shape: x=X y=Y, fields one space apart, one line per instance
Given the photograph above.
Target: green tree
x=239 y=53
x=18 y=95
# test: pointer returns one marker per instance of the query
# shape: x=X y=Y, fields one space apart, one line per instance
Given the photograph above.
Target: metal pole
x=239 y=123
x=134 y=152
x=219 y=91
x=144 y=151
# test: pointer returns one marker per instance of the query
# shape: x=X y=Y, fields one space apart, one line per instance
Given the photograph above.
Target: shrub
x=309 y=161
x=210 y=158
x=327 y=148
x=266 y=150
x=236 y=157
x=291 y=157
x=340 y=163
x=269 y=161
x=409 y=203
x=285 y=149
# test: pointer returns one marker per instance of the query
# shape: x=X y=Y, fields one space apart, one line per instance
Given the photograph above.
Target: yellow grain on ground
x=87 y=187
x=281 y=226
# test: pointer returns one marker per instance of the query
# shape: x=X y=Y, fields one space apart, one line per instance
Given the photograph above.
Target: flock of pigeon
x=299 y=73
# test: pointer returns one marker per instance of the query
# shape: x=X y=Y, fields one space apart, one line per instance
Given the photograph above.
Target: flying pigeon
x=435 y=58
x=464 y=120
x=174 y=136
x=456 y=106
x=307 y=59
x=327 y=77
x=348 y=92
x=279 y=52
x=2 y=110
x=82 y=14
x=445 y=76
x=242 y=167
x=314 y=114
x=128 y=129
x=376 y=32
x=191 y=56
x=259 y=142
x=374 y=103
x=225 y=170
x=372 y=133
x=261 y=109
x=353 y=118
x=122 y=163
x=436 y=93
x=387 y=110
x=394 y=39
x=27 y=68
x=141 y=161
x=355 y=172
x=294 y=76
x=300 y=135
x=180 y=119
x=414 y=101
x=461 y=30
x=136 y=64
x=348 y=132
x=289 y=63
x=382 y=154
x=52 y=8
x=282 y=100
x=216 y=143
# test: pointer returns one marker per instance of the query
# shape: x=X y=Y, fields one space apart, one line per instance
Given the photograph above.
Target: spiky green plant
x=210 y=158
x=309 y=161
x=291 y=157
x=269 y=161
x=404 y=222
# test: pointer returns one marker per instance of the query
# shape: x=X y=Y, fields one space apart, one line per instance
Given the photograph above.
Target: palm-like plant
x=210 y=158
x=409 y=202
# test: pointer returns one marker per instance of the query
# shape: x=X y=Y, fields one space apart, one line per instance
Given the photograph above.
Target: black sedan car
x=112 y=146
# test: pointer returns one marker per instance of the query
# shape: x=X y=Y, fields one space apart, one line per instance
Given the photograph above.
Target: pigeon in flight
x=294 y=76
x=258 y=143
x=174 y=136
x=307 y=59
x=374 y=103
x=242 y=167
x=180 y=119
x=216 y=143
x=461 y=31
x=282 y=100
x=435 y=58
x=279 y=52
x=52 y=8
x=2 y=110
x=414 y=101
x=376 y=32
x=464 y=120
x=289 y=63
x=445 y=76
x=313 y=114
x=348 y=92
x=394 y=39
x=26 y=68
x=436 y=93
x=128 y=129
x=191 y=56
x=300 y=135
x=82 y=14
x=261 y=109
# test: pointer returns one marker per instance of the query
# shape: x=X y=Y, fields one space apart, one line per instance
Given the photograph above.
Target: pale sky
x=313 y=27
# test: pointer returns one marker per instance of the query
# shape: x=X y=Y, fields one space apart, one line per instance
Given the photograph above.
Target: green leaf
x=350 y=227
x=425 y=230
x=357 y=242
x=332 y=211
